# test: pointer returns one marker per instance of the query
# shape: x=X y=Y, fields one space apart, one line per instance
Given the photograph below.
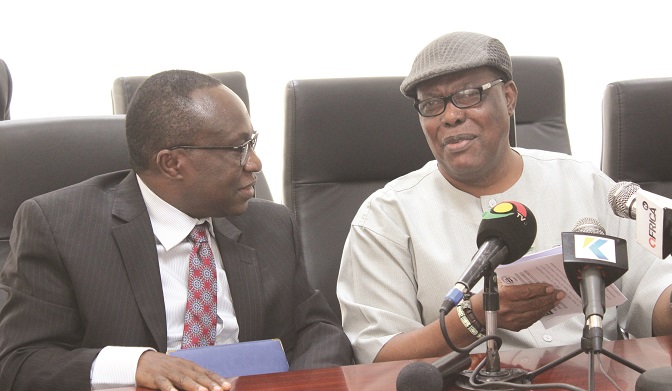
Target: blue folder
x=239 y=359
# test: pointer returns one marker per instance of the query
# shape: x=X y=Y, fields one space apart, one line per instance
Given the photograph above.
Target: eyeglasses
x=462 y=99
x=244 y=148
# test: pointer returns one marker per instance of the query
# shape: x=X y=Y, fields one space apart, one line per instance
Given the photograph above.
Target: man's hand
x=522 y=305
x=167 y=373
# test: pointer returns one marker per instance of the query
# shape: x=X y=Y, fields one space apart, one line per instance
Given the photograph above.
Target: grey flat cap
x=456 y=52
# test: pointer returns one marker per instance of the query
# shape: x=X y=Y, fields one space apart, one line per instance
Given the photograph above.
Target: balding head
x=163 y=113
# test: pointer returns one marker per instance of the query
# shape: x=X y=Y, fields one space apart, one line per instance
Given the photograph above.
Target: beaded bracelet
x=466 y=314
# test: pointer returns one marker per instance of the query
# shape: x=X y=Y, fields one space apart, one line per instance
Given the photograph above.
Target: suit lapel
x=244 y=277
x=136 y=242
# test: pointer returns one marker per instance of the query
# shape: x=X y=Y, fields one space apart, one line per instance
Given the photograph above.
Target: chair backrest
x=540 y=112
x=41 y=155
x=123 y=89
x=346 y=138
x=5 y=91
x=636 y=137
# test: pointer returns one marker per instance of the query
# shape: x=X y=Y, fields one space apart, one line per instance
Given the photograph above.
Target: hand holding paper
x=547 y=267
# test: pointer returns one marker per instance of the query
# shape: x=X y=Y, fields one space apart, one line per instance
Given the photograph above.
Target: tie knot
x=198 y=234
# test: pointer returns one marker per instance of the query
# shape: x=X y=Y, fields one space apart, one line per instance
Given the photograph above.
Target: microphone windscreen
x=621 y=198
x=419 y=376
x=511 y=222
x=656 y=379
x=589 y=225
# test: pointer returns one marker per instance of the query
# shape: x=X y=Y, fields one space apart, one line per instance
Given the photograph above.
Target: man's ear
x=511 y=93
x=170 y=163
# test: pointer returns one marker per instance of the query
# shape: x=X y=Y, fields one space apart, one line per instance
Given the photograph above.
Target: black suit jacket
x=82 y=274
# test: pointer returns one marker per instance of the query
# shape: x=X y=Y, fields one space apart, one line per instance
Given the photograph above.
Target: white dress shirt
x=115 y=366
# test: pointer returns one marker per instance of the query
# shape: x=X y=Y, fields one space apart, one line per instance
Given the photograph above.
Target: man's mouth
x=249 y=185
x=458 y=137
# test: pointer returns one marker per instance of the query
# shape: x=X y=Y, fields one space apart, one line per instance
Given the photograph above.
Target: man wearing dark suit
x=5 y=90
x=89 y=304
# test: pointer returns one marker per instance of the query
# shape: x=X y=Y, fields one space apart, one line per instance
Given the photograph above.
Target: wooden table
x=646 y=353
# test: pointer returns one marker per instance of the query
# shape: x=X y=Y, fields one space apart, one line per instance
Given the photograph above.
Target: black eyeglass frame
x=450 y=98
x=244 y=148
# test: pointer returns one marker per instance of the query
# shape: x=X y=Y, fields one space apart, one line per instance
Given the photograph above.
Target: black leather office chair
x=5 y=91
x=540 y=112
x=346 y=138
x=41 y=155
x=636 y=137
x=123 y=89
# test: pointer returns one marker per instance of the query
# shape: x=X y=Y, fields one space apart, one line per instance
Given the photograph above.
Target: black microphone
x=592 y=261
x=656 y=379
x=506 y=233
x=423 y=376
x=654 y=222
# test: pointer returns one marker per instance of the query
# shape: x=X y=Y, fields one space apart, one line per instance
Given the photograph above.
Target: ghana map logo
x=505 y=209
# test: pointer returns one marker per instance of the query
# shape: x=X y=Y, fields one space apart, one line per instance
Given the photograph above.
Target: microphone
x=622 y=197
x=505 y=234
x=423 y=376
x=654 y=223
x=656 y=379
x=592 y=261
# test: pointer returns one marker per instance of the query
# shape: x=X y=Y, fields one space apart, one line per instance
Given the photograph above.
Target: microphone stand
x=591 y=340
x=493 y=372
x=592 y=347
x=496 y=378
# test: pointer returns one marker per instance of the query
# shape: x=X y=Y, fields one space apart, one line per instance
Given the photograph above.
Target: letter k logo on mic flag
x=597 y=248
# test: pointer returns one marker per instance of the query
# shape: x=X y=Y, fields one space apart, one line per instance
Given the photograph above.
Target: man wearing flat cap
x=410 y=241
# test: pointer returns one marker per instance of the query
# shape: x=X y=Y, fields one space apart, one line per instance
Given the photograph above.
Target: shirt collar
x=171 y=226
